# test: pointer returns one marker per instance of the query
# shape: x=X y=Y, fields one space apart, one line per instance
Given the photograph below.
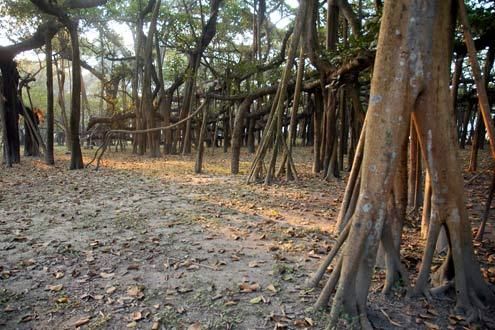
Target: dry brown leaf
x=135 y=291
x=432 y=326
x=195 y=326
x=253 y=264
x=106 y=275
x=271 y=288
x=136 y=316
x=63 y=300
x=246 y=287
x=59 y=275
x=55 y=288
x=432 y=312
x=82 y=321
x=111 y=290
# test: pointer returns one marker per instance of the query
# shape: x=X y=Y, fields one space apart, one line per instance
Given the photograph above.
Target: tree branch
x=37 y=40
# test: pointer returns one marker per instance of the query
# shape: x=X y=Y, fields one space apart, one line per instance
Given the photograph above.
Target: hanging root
x=108 y=135
x=314 y=280
x=325 y=294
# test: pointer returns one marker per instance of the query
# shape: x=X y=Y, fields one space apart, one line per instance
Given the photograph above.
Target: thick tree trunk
x=147 y=101
x=411 y=77
x=10 y=80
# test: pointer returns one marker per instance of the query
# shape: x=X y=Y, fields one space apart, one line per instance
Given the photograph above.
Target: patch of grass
x=168 y=318
x=225 y=320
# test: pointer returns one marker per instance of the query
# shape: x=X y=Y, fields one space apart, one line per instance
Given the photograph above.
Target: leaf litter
x=145 y=244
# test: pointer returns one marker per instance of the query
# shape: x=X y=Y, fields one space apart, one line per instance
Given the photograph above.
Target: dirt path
x=144 y=244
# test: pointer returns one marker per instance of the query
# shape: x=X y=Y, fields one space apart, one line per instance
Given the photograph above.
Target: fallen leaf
x=246 y=287
x=111 y=290
x=309 y=321
x=55 y=288
x=135 y=291
x=271 y=288
x=155 y=325
x=253 y=264
x=81 y=321
x=432 y=312
x=106 y=275
x=256 y=300
x=195 y=326
x=63 y=300
x=59 y=275
x=301 y=323
x=136 y=316
x=132 y=324
x=432 y=326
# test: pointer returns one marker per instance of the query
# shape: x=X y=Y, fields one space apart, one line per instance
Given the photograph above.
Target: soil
x=146 y=244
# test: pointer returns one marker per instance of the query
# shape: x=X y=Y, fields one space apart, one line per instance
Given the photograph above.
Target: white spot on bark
x=397 y=32
x=367 y=207
x=375 y=99
x=372 y=168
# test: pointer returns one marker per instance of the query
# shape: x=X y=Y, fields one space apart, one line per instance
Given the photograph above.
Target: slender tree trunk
x=61 y=102
x=237 y=133
x=486 y=212
x=317 y=136
x=198 y=167
x=76 y=159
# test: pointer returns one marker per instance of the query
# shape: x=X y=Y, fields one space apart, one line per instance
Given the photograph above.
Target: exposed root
x=436 y=291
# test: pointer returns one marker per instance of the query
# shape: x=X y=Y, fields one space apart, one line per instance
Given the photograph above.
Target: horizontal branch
x=37 y=40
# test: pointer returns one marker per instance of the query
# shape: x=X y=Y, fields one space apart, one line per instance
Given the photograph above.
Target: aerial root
x=314 y=280
x=325 y=294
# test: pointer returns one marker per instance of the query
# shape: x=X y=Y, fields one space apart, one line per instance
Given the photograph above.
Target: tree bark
x=76 y=159
x=411 y=76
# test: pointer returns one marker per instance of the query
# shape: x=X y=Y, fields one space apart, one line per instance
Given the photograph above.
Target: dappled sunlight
x=308 y=206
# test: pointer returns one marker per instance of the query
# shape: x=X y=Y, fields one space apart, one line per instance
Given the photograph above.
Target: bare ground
x=146 y=244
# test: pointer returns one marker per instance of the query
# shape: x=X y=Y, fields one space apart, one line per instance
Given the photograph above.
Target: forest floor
x=145 y=243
